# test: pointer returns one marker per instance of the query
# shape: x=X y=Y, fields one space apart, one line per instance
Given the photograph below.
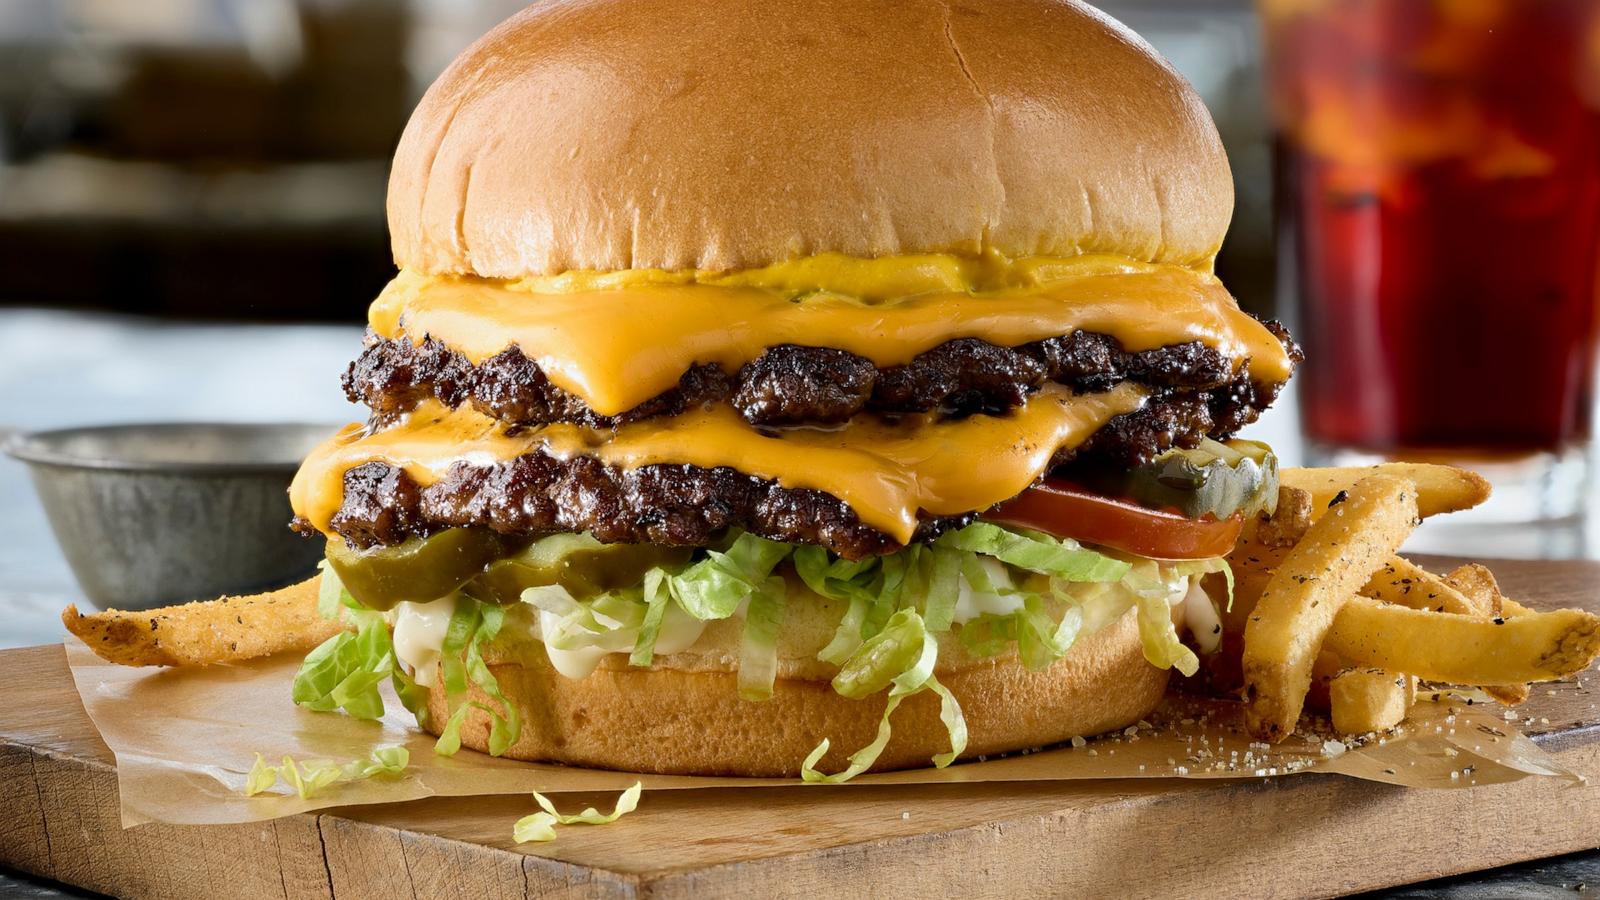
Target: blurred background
x=181 y=157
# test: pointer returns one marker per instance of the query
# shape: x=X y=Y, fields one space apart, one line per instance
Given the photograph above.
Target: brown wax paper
x=185 y=739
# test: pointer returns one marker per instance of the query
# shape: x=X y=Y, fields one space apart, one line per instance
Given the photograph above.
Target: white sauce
x=679 y=631
x=1200 y=615
x=419 y=633
x=971 y=604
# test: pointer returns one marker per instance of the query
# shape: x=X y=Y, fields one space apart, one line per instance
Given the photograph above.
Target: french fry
x=1262 y=545
x=1440 y=489
x=1363 y=700
x=1403 y=582
x=200 y=634
x=1532 y=646
x=1331 y=563
x=1478 y=582
x=1288 y=522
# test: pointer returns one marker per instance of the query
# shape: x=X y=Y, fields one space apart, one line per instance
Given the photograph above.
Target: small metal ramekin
x=154 y=514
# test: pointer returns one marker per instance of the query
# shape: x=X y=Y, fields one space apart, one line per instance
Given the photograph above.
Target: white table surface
x=61 y=369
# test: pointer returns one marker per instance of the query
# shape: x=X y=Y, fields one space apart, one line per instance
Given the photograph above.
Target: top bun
x=731 y=134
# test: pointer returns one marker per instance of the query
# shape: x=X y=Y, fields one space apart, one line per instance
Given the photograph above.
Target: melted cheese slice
x=886 y=471
x=618 y=339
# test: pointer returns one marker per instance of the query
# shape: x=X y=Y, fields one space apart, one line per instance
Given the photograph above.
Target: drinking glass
x=1438 y=191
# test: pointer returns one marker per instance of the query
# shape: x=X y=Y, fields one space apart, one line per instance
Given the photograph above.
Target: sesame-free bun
x=691 y=720
x=728 y=134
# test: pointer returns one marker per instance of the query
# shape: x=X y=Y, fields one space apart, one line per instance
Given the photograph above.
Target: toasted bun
x=726 y=134
x=680 y=722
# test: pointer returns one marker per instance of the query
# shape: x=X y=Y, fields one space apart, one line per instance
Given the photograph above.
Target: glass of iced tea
x=1438 y=182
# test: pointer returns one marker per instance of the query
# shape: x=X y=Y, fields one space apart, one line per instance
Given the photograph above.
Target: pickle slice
x=1215 y=479
x=577 y=562
x=419 y=570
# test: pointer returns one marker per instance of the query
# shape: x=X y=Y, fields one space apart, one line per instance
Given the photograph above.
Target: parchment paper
x=184 y=740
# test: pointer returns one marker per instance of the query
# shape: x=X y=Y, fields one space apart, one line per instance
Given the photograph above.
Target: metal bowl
x=154 y=514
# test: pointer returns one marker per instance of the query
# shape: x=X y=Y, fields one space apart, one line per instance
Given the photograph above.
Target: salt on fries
x=200 y=634
x=1333 y=619
x=1332 y=561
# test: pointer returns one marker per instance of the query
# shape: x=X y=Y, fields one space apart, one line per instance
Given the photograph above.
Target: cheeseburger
x=782 y=387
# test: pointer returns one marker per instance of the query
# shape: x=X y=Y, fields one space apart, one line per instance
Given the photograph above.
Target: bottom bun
x=694 y=723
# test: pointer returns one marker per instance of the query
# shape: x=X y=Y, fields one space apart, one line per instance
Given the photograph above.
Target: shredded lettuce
x=714 y=587
x=471 y=625
x=541 y=826
x=345 y=670
x=900 y=657
x=1017 y=591
x=940 y=583
x=413 y=696
x=1034 y=551
x=309 y=778
x=850 y=581
x=656 y=596
x=330 y=592
x=758 y=655
x=1152 y=586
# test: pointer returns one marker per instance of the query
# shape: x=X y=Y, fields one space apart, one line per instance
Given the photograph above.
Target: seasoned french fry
x=1335 y=559
x=1533 y=646
x=1403 y=582
x=1479 y=583
x=1440 y=489
x=200 y=634
x=1288 y=522
x=1262 y=545
x=1368 y=699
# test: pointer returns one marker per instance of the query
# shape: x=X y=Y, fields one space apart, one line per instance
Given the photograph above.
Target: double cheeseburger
x=757 y=369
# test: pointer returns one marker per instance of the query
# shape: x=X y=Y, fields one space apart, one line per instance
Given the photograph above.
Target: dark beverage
x=1439 y=183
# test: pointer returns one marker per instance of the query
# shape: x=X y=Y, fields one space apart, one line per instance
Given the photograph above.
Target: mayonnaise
x=1200 y=615
x=419 y=634
x=679 y=631
x=971 y=604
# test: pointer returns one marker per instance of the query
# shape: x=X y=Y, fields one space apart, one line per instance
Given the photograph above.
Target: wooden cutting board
x=1306 y=835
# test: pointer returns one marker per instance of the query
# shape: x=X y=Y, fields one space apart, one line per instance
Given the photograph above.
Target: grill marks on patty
x=789 y=384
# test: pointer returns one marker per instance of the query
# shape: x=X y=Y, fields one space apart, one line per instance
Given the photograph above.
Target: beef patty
x=793 y=385
x=682 y=505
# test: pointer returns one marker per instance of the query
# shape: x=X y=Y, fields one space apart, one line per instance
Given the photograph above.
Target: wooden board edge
x=71 y=833
x=63 y=823
x=1139 y=848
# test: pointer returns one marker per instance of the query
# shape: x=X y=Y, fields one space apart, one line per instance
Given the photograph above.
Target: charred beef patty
x=792 y=385
x=681 y=505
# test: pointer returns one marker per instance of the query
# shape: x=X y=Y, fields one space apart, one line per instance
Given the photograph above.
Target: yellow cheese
x=617 y=339
x=886 y=471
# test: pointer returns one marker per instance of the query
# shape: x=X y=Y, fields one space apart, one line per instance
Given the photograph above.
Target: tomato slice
x=1064 y=510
